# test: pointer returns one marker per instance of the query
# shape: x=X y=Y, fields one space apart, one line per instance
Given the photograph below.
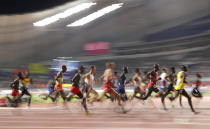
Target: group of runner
x=114 y=85
x=22 y=83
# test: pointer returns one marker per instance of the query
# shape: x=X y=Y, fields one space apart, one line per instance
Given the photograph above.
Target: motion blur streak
x=96 y=15
x=65 y=14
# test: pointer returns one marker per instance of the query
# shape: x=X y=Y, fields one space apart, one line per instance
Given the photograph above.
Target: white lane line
x=12 y=117
x=70 y=127
x=107 y=122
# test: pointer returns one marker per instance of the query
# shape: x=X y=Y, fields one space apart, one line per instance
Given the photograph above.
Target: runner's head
x=165 y=70
x=184 y=68
x=64 y=68
x=110 y=65
x=198 y=76
x=173 y=70
x=20 y=75
x=145 y=72
x=115 y=73
x=138 y=71
x=125 y=69
x=93 y=69
x=157 y=67
x=27 y=74
x=81 y=69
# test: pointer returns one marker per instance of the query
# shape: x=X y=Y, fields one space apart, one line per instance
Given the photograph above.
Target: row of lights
x=69 y=12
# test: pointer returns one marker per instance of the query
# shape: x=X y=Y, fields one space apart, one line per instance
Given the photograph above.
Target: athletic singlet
x=15 y=85
x=154 y=78
x=107 y=81
x=115 y=82
x=26 y=82
x=137 y=83
x=180 y=81
x=172 y=77
x=122 y=80
x=76 y=80
x=163 y=79
x=89 y=81
x=59 y=79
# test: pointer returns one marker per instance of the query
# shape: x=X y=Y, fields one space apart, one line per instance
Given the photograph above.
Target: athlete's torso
x=108 y=76
x=26 y=82
x=89 y=81
x=122 y=80
x=59 y=79
x=16 y=84
x=137 y=80
x=154 y=76
x=76 y=80
x=180 y=81
x=172 y=78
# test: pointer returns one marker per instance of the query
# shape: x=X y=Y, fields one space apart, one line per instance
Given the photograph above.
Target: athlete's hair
x=172 y=68
x=137 y=70
x=156 y=65
x=198 y=75
x=81 y=67
x=145 y=72
x=19 y=74
x=64 y=67
x=164 y=69
x=115 y=73
x=110 y=64
x=125 y=69
x=92 y=67
x=183 y=67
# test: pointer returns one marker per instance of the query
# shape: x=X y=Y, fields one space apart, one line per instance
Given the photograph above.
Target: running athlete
x=51 y=85
x=107 y=77
x=89 y=81
x=75 y=90
x=197 y=83
x=15 y=90
x=116 y=78
x=179 y=87
x=59 y=84
x=26 y=82
x=153 y=75
x=121 y=87
x=136 y=80
x=171 y=78
x=163 y=80
x=144 y=83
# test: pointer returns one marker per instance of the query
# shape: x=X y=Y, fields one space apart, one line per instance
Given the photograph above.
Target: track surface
x=107 y=115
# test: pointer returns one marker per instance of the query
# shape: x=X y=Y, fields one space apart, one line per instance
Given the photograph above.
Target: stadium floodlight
x=95 y=15
x=65 y=14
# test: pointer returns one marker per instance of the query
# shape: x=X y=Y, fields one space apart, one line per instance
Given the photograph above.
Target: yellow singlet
x=180 y=81
x=26 y=82
x=59 y=79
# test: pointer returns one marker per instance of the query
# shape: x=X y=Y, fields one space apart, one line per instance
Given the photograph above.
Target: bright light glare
x=64 y=14
x=95 y=15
